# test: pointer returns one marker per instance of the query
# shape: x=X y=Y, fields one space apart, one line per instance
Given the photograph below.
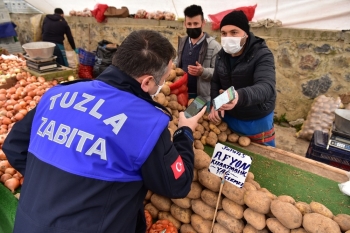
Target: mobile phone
x=195 y=107
x=224 y=98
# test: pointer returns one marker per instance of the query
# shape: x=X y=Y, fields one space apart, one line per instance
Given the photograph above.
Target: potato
x=199 y=224
x=275 y=226
x=171 y=76
x=286 y=198
x=204 y=140
x=303 y=207
x=214 y=128
x=232 y=208
x=187 y=228
x=234 y=193
x=228 y=131
x=165 y=90
x=195 y=192
x=160 y=98
x=257 y=220
x=205 y=124
x=321 y=209
x=222 y=137
x=209 y=180
x=249 y=186
x=152 y=210
x=206 y=133
x=250 y=229
x=244 y=141
x=205 y=116
x=160 y=202
x=202 y=209
x=271 y=195
x=181 y=214
x=197 y=135
x=180 y=107
x=258 y=201
x=201 y=159
x=298 y=230
x=253 y=182
x=173 y=97
x=213 y=135
x=166 y=103
x=211 y=141
x=172 y=126
x=200 y=128
x=200 y=120
x=210 y=198
x=315 y=223
x=233 y=137
x=145 y=202
x=218 y=228
x=287 y=214
x=173 y=104
x=232 y=224
x=198 y=145
x=168 y=216
x=343 y=221
x=182 y=202
x=179 y=72
x=195 y=174
x=175 y=113
x=250 y=175
x=223 y=126
x=189 y=101
x=173 y=66
x=176 y=121
x=148 y=195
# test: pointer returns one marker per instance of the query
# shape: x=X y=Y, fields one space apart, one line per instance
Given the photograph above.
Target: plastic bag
x=249 y=11
x=99 y=12
x=180 y=89
x=104 y=55
x=85 y=71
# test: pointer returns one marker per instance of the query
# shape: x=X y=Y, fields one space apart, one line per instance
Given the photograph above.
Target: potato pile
x=206 y=133
x=251 y=209
x=320 y=116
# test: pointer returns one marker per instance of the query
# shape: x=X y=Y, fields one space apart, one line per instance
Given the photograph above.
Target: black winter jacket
x=253 y=76
x=56 y=201
x=54 y=28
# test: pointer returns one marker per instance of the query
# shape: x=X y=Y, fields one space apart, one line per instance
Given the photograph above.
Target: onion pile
x=15 y=103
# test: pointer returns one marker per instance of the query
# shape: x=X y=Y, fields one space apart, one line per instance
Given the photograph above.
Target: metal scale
x=42 y=65
x=339 y=135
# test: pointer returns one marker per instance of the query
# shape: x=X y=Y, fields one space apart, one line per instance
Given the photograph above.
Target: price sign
x=230 y=164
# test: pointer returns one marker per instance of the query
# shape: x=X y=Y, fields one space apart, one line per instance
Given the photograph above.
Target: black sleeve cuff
x=184 y=131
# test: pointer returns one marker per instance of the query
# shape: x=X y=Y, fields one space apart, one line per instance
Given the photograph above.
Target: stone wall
x=308 y=62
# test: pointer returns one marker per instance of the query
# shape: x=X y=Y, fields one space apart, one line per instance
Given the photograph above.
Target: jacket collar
x=118 y=79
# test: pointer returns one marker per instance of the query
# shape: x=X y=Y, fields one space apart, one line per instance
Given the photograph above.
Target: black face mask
x=194 y=33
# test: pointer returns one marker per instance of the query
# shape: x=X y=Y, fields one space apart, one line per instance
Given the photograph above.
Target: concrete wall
x=308 y=62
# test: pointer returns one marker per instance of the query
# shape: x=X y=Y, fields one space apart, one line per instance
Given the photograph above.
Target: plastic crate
x=333 y=156
x=86 y=58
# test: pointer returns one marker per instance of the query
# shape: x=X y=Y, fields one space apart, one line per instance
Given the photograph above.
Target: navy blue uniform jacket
x=56 y=201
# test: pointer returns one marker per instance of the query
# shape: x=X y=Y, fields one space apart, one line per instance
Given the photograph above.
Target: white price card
x=230 y=164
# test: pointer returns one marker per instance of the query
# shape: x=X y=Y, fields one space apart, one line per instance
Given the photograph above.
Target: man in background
x=54 y=29
x=196 y=53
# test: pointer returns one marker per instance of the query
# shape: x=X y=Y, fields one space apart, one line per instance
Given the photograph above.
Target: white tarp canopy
x=310 y=14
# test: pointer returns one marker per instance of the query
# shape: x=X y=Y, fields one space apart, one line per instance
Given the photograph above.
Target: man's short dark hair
x=144 y=52
x=193 y=10
x=59 y=11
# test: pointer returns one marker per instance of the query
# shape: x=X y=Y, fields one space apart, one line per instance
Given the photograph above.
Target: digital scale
x=338 y=139
x=42 y=65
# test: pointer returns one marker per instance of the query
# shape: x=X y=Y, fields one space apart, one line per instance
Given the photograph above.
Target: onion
x=5 y=177
x=10 y=170
x=12 y=184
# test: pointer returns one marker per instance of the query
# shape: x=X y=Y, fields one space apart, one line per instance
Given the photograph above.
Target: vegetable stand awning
x=311 y=14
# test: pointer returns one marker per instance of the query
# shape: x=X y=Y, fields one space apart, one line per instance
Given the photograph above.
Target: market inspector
x=91 y=149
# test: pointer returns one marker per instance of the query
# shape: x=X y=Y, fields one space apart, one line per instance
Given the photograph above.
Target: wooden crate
x=61 y=74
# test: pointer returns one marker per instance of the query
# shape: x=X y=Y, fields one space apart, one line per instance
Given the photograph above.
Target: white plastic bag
x=345 y=187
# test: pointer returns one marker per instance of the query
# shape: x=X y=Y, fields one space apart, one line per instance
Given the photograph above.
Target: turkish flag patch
x=178 y=167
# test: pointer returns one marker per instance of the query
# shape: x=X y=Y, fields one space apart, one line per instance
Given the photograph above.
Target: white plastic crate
x=2 y=4
x=13 y=48
x=7 y=40
x=4 y=16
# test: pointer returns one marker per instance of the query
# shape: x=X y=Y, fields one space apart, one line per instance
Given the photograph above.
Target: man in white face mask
x=246 y=63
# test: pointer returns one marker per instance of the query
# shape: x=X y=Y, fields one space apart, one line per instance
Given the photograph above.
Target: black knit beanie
x=236 y=18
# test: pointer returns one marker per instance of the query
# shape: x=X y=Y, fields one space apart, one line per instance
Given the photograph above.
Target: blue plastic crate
x=333 y=156
x=86 y=58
